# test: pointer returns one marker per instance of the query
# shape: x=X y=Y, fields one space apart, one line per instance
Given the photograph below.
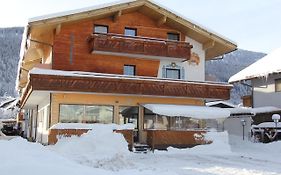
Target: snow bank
x=21 y=157
x=219 y=146
x=99 y=148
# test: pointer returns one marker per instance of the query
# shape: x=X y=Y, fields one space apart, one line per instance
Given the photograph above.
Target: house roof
x=215 y=43
x=267 y=65
x=48 y=17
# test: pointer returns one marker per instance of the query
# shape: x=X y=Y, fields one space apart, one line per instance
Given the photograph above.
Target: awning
x=198 y=112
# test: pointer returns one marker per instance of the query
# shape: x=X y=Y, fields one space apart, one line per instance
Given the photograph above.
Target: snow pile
x=21 y=157
x=219 y=145
x=99 y=148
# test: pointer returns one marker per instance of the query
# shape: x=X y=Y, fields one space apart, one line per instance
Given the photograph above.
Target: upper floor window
x=278 y=85
x=173 y=73
x=129 y=70
x=100 y=29
x=130 y=31
x=173 y=36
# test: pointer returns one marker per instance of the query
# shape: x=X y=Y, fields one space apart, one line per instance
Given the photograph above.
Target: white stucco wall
x=43 y=121
x=264 y=92
x=193 y=72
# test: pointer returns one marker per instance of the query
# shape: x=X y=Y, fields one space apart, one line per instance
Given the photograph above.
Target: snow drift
x=99 y=148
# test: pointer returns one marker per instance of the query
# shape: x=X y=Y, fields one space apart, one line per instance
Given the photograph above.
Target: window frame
x=173 y=33
x=100 y=25
x=131 y=28
x=129 y=65
x=275 y=84
x=84 y=111
x=179 y=73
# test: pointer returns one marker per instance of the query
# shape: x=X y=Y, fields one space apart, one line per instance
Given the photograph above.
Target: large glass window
x=278 y=85
x=173 y=73
x=86 y=114
x=155 y=121
x=100 y=29
x=129 y=70
x=130 y=31
x=173 y=36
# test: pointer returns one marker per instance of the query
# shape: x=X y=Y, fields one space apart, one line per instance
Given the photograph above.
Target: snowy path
x=92 y=154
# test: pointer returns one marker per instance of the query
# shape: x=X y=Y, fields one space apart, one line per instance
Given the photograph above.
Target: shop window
x=86 y=114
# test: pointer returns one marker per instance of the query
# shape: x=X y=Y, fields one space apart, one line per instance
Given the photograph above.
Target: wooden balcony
x=139 y=46
x=53 y=80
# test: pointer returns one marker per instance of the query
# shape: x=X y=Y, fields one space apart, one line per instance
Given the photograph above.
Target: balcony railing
x=121 y=44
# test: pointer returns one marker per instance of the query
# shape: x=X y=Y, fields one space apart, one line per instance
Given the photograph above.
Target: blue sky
x=253 y=24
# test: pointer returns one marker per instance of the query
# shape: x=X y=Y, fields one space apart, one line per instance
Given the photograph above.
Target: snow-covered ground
x=104 y=152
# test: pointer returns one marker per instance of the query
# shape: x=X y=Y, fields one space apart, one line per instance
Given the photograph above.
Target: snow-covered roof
x=92 y=8
x=42 y=71
x=253 y=111
x=91 y=126
x=214 y=103
x=267 y=65
x=198 y=112
x=267 y=125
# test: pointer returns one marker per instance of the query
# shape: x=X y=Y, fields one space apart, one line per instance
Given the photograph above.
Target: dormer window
x=100 y=29
x=130 y=32
x=173 y=36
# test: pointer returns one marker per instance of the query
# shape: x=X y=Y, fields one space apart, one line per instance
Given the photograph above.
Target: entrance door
x=130 y=114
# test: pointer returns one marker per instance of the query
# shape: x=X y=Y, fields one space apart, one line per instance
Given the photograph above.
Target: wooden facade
x=152 y=47
x=162 y=139
x=129 y=85
x=72 y=50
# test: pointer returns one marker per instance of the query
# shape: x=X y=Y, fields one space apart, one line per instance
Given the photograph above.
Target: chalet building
x=127 y=62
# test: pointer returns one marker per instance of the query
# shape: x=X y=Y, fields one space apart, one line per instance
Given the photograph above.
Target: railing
x=139 y=46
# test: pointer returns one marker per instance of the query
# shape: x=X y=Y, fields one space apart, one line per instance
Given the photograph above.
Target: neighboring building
x=265 y=77
x=114 y=64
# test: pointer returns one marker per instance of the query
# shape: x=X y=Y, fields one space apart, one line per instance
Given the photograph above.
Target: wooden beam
x=208 y=45
x=117 y=15
x=27 y=62
x=161 y=21
x=58 y=29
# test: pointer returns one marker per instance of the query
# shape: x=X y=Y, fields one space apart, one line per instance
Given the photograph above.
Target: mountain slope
x=10 y=41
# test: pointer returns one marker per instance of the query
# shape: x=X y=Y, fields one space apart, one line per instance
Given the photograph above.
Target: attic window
x=173 y=36
x=278 y=85
x=100 y=29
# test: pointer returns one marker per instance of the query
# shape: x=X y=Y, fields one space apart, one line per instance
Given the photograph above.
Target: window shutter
x=164 y=72
x=182 y=73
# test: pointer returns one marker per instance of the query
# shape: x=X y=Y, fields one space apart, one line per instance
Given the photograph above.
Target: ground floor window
x=86 y=114
x=155 y=121
x=129 y=114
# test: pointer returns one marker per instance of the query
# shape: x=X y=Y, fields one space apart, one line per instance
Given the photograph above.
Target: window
x=130 y=32
x=173 y=73
x=100 y=29
x=86 y=114
x=173 y=36
x=278 y=85
x=129 y=70
x=129 y=114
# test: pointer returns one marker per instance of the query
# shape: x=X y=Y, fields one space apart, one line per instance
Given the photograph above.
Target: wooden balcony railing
x=139 y=46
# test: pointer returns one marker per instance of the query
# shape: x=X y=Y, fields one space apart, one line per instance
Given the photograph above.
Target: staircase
x=140 y=148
